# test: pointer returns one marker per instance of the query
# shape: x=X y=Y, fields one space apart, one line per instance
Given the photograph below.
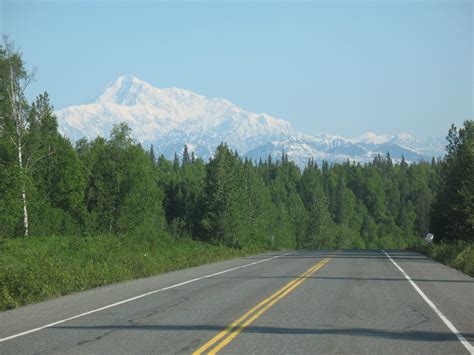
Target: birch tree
x=15 y=125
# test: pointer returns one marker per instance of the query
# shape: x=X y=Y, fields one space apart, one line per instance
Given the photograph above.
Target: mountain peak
x=128 y=80
x=153 y=113
x=126 y=90
x=405 y=138
x=373 y=138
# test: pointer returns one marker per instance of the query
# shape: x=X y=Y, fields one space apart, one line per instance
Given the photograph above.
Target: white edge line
x=446 y=321
x=138 y=297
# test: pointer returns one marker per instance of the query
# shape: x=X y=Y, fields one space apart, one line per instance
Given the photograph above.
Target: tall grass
x=35 y=269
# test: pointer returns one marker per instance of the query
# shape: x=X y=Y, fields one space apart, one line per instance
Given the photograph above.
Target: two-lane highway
x=306 y=302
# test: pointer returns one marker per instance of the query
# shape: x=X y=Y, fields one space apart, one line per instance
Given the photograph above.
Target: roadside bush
x=39 y=268
x=459 y=255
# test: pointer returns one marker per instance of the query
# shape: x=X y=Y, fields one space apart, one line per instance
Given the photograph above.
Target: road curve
x=306 y=302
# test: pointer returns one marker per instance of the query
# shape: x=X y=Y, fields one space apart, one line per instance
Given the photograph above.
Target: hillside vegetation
x=101 y=211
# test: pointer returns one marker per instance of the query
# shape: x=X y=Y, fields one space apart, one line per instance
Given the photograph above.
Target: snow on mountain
x=372 y=138
x=300 y=150
x=169 y=118
x=155 y=113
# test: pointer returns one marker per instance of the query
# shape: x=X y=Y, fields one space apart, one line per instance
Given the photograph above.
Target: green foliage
x=320 y=229
x=221 y=217
x=39 y=268
x=459 y=254
x=184 y=190
x=453 y=208
x=115 y=187
x=11 y=176
x=122 y=195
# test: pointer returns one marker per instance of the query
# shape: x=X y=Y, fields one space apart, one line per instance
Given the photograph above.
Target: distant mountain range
x=170 y=118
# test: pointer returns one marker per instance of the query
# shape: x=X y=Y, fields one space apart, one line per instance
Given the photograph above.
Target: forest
x=110 y=193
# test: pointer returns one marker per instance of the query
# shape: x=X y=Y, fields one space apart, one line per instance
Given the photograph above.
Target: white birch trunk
x=15 y=101
x=23 y=186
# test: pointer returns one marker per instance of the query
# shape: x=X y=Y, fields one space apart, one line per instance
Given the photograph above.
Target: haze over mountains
x=169 y=118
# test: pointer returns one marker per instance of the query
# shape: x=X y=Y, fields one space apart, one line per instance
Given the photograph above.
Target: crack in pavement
x=95 y=339
x=424 y=320
x=136 y=321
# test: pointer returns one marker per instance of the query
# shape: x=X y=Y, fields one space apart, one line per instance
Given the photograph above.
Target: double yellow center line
x=228 y=334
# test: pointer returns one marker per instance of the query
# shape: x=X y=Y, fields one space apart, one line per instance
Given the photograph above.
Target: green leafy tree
x=14 y=126
x=122 y=194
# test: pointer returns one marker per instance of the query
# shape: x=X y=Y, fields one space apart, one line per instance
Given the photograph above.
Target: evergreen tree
x=453 y=209
x=320 y=228
x=152 y=155
x=186 y=158
x=176 y=162
x=59 y=182
x=220 y=220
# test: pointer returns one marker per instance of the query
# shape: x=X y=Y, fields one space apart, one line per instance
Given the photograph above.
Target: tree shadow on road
x=405 y=335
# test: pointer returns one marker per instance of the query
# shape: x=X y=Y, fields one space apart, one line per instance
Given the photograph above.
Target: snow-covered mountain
x=169 y=118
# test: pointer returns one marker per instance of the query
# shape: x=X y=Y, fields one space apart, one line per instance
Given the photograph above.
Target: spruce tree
x=453 y=209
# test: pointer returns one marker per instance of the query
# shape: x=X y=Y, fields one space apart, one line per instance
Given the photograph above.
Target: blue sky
x=342 y=67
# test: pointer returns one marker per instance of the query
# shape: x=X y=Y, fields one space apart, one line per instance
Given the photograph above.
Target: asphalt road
x=308 y=302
